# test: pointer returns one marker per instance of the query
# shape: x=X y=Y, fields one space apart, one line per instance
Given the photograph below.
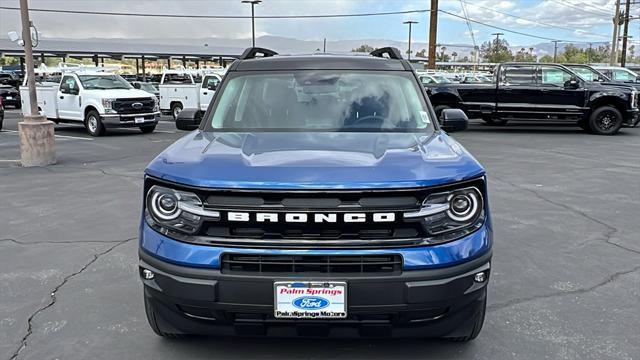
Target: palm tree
x=454 y=55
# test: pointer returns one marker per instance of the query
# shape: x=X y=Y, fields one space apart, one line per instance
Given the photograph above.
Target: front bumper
x=421 y=303
x=633 y=118
x=435 y=295
x=128 y=120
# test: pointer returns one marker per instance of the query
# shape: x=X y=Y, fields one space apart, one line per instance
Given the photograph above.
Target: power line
x=83 y=12
x=106 y=13
x=509 y=30
x=533 y=21
x=570 y=5
x=591 y=6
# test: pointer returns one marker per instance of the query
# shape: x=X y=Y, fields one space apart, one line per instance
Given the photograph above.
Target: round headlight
x=164 y=206
x=463 y=206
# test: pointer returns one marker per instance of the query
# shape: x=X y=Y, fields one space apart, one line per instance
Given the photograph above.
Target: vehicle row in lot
x=536 y=91
x=94 y=97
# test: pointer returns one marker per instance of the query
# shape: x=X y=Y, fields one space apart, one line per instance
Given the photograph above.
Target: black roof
x=270 y=60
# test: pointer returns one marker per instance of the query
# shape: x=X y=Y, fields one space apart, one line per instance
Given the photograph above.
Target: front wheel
x=94 y=125
x=147 y=129
x=175 y=110
x=1 y=121
x=156 y=323
x=605 y=120
x=476 y=326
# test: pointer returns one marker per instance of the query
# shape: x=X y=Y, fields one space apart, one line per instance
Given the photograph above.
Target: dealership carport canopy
x=100 y=50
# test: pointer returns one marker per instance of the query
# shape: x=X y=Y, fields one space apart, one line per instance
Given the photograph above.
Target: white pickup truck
x=94 y=97
x=187 y=89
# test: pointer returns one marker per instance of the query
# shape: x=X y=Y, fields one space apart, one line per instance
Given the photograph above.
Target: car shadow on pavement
x=316 y=348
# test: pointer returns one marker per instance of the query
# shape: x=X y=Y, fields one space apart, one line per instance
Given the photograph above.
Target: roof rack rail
x=392 y=52
x=250 y=53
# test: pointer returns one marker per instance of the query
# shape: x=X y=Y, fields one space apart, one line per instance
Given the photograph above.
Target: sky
x=568 y=20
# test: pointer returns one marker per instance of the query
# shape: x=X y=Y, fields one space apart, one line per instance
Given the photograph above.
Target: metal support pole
x=433 y=34
x=324 y=45
x=184 y=62
x=42 y=58
x=169 y=63
x=22 y=66
x=410 y=22
x=253 y=26
x=95 y=59
x=144 y=72
x=137 y=66
x=555 y=49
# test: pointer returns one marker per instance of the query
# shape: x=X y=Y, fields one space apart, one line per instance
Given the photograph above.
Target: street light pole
x=555 y=49
x=495 y=49
x=410 y=22
x=253 y=19
x=37 y=142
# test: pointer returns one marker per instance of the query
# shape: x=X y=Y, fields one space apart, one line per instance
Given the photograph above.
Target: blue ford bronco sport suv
x=317 y=196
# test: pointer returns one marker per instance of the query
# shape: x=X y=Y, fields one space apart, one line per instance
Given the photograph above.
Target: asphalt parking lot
x=565 y=281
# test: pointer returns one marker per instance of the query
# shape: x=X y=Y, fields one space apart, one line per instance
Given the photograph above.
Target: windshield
x=441 y=79
x=321 y=100
x=148 y=87
x=103 y=82
x=588 y=74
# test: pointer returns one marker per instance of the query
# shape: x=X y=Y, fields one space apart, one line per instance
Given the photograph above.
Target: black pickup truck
x=533 y=91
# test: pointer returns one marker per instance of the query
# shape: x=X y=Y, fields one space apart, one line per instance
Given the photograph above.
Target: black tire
x=147 y=129
x=605 y=120
x=18 y=107
x=490 y=120
x=478 y=321
x=1 y=121
x=93 y=124
x=152 y=318
x=438 y=110
x=176 y=108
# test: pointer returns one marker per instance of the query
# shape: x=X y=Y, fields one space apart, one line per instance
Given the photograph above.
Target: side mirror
x=572 y=83
x=65 y=89
x=212 y=87
x=452 y=120
x=136 y=85
x=189 y=119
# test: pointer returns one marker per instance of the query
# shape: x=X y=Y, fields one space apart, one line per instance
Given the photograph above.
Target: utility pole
x=409 y=22
x=495 y=48
x=555 y=49
x=253 y=19
x=614 y=42
x=37 y=142
x=625 y=35
x=433 y=34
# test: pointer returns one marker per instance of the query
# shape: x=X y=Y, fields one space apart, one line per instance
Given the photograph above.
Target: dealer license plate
x=139 y=120
x=310 y=300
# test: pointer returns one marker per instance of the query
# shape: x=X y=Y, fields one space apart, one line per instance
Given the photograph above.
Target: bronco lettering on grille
x=316 y=218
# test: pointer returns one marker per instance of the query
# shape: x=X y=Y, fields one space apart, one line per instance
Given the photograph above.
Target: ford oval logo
x=310 y=303
x=137 y=105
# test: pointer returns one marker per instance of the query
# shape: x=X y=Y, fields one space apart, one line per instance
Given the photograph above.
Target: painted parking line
x=56 y=135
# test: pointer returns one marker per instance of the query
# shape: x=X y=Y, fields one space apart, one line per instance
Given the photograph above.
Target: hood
x=311 y=160
x=122 y=93
x=619 y=84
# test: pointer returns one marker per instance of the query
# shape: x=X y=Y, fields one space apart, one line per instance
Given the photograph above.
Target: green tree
x=422 y=53
x=546 y=59
x=524 y=55
x=496 y=51
x=363 y=48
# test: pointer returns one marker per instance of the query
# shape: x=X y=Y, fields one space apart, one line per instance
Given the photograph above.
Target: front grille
x=338 y=233
x=318 y=264
x=125 y=106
